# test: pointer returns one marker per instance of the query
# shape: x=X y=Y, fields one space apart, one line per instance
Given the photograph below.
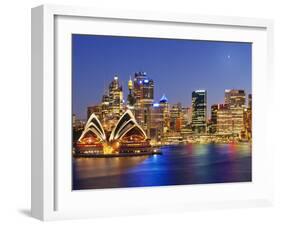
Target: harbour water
x=178 y=165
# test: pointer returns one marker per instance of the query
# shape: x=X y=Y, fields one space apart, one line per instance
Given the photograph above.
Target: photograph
x=150 y=111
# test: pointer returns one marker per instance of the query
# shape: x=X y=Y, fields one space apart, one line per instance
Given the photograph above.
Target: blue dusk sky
x=177 y=67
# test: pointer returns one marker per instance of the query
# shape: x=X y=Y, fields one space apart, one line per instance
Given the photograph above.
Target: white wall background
x=15 y=111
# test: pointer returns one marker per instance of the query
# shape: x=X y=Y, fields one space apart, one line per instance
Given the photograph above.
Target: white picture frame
x=52 y=197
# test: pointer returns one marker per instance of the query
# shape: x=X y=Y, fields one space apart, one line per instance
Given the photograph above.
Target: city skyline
x=160 y=112
x=206 y=57
x=161 y=120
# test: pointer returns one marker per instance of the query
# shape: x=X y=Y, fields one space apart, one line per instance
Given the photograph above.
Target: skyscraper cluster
x=234 y=116
x=166 y=123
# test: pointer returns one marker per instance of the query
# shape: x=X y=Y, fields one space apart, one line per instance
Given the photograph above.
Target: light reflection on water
x=188 y=164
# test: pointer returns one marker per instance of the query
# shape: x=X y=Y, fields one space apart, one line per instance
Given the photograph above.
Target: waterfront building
x=186 y=132
x=236 y=100
x=199 y=111
x=237 y=114
x=227 y=119
x=222 y=119
x=126 y=134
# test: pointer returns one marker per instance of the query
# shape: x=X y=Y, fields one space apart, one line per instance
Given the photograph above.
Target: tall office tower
x=166 y=114
x=157 y=123
x=160 y=120
x=199 y=111
x=236 y=100
x=115 y=98
x=237 y=114
x=235 y=97
x=131 y=100
x=143 y=93
x=176 y=117
x=143 y=86
x=223 y=117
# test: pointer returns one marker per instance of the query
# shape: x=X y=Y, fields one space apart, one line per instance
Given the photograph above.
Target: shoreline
x=129 y=154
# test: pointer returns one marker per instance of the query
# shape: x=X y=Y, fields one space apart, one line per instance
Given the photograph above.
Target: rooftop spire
x=163 y=99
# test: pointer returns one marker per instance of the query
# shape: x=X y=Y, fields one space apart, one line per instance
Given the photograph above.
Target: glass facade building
x=199 y=111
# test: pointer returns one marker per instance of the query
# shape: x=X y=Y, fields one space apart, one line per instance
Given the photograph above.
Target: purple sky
x=177 y=67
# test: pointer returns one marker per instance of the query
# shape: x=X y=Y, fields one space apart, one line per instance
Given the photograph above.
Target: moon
x=228 y=56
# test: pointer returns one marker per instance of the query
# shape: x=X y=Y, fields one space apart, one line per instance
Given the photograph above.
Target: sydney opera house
x=127 y=136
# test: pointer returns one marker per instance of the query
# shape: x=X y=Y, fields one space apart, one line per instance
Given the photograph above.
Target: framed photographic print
x=137 y=112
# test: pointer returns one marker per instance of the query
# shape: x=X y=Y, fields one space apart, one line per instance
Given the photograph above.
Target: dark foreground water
x=189 y=164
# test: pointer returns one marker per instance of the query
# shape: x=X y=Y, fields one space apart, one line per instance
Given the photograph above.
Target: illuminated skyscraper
x=176 y=119
x=156 y=123
x=160 y=120
x=237 y=114
x=199 y=111
x=143 y=87
x=235 y=97
x=115 y=98
x=131 y=100
x=236 y=100
x=164 y=104
x=222 y=119
x=143 y=93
